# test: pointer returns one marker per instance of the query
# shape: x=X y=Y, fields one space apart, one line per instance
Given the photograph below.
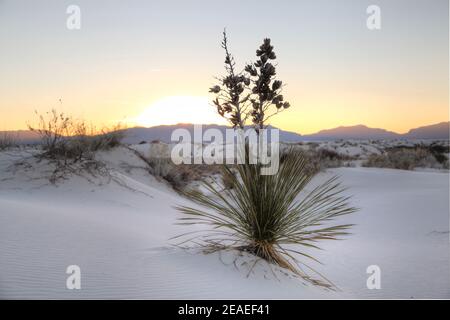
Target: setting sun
x=179 y=109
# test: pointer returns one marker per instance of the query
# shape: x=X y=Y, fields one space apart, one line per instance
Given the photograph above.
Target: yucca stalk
x=267 y=215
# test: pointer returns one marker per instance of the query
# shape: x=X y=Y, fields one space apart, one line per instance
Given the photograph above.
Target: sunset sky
x=152 y=62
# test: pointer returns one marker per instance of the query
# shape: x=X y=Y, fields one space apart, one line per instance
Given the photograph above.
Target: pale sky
x=134 y=60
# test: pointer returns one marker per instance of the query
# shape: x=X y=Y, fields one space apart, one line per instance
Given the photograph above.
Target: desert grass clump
x=182 y=175
x=408 y=158
x=321 y=159
x=178 y=176
x=269 y=216
x=66 y=139
x=70 y=145
x=52 y=128
x=7 y=141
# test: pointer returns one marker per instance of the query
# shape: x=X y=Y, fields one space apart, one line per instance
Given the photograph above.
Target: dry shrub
x=330 y=159
x=405 y=158
x=181 y=175
x=177 y=175
x=66 y=139
x=7 y=141
x=320 y=159
x=70 y=145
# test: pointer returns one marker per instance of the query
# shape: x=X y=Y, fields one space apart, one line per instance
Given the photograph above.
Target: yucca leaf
x=261 y=214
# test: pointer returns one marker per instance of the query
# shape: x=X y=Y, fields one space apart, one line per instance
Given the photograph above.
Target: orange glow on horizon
x=302 y=118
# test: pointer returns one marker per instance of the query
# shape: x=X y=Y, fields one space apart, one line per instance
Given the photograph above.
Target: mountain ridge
x=438 y=131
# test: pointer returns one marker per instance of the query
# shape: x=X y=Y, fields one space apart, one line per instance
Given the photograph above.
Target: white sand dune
x=118 y=233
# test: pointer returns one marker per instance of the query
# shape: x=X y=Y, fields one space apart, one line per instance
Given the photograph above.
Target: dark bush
x=406 y=158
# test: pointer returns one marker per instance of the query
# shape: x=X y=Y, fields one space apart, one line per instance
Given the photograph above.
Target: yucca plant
x=269 y=216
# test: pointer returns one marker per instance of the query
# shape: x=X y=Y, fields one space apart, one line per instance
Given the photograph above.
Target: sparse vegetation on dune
x=70 y=144
x=7 y=141
x=321 y=159
x=180 y=176
x=409 y=158
x=67 y=139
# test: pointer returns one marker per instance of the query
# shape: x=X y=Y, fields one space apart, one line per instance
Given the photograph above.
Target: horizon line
x=249 y=125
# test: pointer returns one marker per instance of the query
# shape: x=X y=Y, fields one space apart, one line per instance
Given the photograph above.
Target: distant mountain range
x=439 y=131
x=436 y=131
x=362 y=132
x=353 y=132
x=164 y=133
